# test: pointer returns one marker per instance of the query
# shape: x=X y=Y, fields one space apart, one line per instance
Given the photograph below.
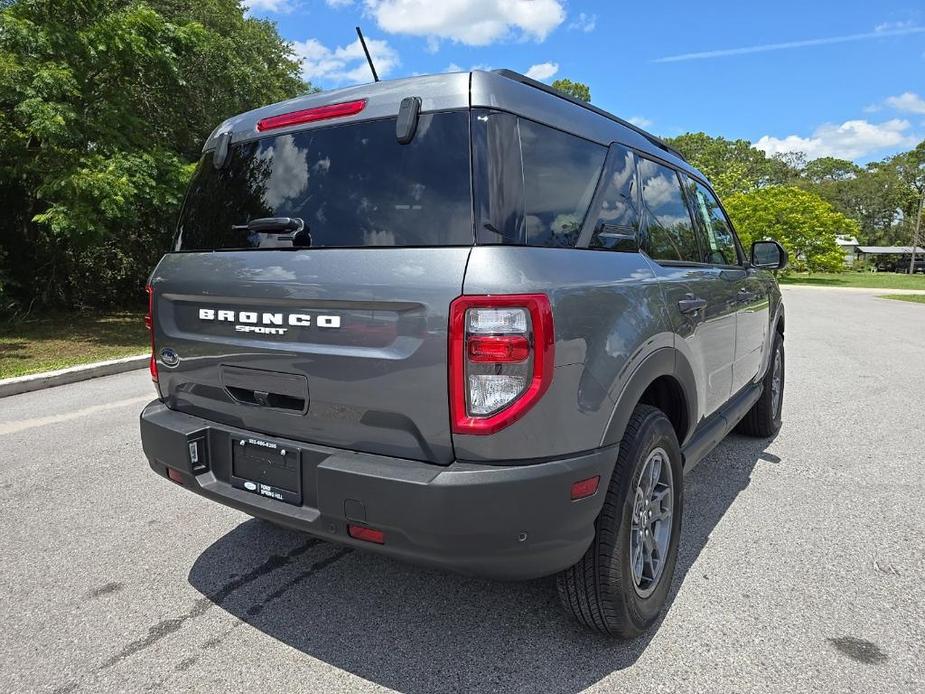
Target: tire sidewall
x=776 y=417
x=656 y=433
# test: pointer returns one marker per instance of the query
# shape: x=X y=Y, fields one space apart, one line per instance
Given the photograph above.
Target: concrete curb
x=867 y=290
x=73 y=374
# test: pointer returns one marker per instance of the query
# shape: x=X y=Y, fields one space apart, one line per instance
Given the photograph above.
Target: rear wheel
x=764 y=419
x=620 y=585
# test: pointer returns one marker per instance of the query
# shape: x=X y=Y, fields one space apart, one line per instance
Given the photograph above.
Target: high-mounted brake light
x=149 y=324
x=501 y=359
x=310 y=115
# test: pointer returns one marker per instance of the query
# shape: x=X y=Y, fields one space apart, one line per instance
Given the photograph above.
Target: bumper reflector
x=585 y=488
x=174 y=475
x=361 y=532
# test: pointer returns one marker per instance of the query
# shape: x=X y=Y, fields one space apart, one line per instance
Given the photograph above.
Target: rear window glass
x=560 y=174
x=352 y=185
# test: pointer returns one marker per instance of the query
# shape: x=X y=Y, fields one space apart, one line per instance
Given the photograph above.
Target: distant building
x=888 y=258
x=847 y=244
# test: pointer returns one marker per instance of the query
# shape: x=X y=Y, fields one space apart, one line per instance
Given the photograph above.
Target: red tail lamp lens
x=585 y=488
x=149 y=324
x=501 y=348
x=310 y=115
x=361 y=532
x=501 y=359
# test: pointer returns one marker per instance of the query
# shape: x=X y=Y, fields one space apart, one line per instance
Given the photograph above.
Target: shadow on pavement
x=419 y=630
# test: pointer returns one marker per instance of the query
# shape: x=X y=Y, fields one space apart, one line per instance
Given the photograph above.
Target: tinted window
x=560 y=174
x=353 y=185
x=719 y=246
x=669 y=230
x=618 y=217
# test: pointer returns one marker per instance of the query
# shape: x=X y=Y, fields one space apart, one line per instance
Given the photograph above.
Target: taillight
x=310 y=115
x=149 y=324
x=501 y=358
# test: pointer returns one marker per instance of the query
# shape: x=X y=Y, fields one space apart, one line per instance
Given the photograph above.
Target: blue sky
x=828 y=78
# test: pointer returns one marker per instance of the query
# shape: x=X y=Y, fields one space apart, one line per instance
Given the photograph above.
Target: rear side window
x=669 y=230
x=353 y=185
x=533 y=183
x=719 y=246
x=560 y=174
x=617 y=222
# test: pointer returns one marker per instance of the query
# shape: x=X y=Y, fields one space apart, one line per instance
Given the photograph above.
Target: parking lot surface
x=802 y=563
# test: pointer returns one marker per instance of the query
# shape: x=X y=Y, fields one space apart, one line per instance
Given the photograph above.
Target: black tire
x=600 y=591
x=764 y=419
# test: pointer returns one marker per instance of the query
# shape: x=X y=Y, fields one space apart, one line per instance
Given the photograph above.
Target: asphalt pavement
x=802 y=564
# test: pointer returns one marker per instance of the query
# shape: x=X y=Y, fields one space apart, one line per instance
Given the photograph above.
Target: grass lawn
x=873 y=280
x=914 y=298
x=55 y=342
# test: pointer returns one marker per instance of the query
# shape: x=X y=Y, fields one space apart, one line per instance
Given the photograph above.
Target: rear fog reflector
x=585 y=488
x=361 y=532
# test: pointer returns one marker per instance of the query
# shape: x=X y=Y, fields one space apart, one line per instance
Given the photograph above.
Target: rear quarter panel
x=608 y=315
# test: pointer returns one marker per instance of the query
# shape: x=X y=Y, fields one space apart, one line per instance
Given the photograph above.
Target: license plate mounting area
x=268 y=468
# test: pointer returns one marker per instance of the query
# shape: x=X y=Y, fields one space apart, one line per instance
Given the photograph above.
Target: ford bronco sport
x=466 y=321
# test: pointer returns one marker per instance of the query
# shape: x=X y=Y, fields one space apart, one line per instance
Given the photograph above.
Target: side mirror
x=769 y=255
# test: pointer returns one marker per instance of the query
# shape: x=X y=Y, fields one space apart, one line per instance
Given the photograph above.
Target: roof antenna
x=368 y=58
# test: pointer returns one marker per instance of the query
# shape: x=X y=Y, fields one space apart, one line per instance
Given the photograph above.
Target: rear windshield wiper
x=299 y=233
x=263 y=225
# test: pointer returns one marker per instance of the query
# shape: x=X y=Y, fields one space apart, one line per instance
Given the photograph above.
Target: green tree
x=801 y=221
x=104 y=106
x=577 y=90
x=733 y=166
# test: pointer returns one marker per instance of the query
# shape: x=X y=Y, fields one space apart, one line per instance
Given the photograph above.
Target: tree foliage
x=733 y=166
x=801 y=221
x=104 y=105
x=881 y=197
x=577 y=90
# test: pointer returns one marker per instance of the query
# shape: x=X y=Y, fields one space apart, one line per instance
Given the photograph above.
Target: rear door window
x=669 y=229
x=353 y=185
x=617 y=224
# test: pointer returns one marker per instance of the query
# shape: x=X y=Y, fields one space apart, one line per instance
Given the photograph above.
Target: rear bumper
x=506 y=522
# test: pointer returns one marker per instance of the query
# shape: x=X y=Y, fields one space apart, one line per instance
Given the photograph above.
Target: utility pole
x=915 y=234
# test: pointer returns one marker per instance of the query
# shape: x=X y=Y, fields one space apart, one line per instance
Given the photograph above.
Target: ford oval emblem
x=169 y=357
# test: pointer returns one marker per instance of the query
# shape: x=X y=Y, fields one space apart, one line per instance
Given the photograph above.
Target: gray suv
x=466 y=321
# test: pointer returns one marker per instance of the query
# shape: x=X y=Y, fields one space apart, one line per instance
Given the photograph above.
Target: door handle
x=745 y=296
x=691 y=304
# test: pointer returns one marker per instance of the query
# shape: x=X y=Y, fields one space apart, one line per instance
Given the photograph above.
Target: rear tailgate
x=341 y=347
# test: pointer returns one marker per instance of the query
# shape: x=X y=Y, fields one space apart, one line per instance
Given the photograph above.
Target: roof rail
x=523 y=79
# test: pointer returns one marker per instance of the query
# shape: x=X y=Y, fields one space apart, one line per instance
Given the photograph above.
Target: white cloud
x=472 y=22
x=345 y=63
x=543 y=71
x=641 y=122
x=338 y=3
x=892 y=26
x=272 y=6
x=909 y=102
x=584 y=22
x=880 y=32
x=454 y=67
x=850 y=140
